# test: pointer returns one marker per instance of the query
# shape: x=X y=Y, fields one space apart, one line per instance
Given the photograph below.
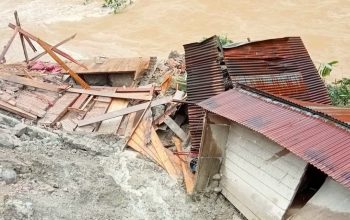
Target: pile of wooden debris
x=100 y=95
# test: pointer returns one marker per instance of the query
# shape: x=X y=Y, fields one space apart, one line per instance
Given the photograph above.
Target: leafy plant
x=325 y=69
x=117 y=5
x=340 y=92
x=224 y=40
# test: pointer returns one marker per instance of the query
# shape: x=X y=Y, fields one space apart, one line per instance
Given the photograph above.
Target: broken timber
x=125 y=111
x=55 y=46
x=175 y=128
x=7 y=107
x=188 y=175
x=30 y=82
x=56 y=112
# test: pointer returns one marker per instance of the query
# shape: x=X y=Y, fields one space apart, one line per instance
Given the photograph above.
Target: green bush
x=117 y=5
x=340 y=92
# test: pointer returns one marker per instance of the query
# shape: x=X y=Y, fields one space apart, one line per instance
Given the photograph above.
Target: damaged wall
x=332 y=201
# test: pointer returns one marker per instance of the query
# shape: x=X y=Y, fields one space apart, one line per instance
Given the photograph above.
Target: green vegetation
x=339 y=91
x=325 y=69
x=224 y=40
x=117 y=5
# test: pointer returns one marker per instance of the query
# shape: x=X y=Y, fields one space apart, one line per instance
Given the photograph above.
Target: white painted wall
x=258 y=182
x=332 y=201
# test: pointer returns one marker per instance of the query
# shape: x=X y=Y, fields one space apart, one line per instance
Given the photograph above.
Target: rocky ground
x=55 y=175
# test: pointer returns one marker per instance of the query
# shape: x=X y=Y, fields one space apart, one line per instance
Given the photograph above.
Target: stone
x=216 y=176
x=20 y=129
x=17 y=209
x=8 y=175
x=6 y=141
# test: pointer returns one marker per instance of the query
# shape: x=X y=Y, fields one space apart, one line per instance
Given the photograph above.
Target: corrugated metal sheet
x=321 y=142
x=259 y=64
x=204 y=80
x=340 y=113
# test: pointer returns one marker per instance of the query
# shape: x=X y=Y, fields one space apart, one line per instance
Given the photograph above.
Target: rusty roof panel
x=319 y=141
x=337 y=112
x=276 y=58
x=204 y=80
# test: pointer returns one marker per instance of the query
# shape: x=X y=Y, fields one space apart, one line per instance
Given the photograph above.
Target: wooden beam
x=75 y=76
x=13 y=109
x=125 y=111
x=22 y=37
x=188 y=175
x=30 y=82
x=110 y=94
x=175 y=128
x=7 y=46
x=56 y=50
x=54 y=46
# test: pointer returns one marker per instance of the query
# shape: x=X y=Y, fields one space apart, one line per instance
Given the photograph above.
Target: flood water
x=155 y=27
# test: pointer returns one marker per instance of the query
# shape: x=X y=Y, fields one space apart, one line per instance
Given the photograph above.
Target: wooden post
x=22 y=38
x=7 y=46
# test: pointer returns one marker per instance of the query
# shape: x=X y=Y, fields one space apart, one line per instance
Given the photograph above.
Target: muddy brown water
x=154 y=27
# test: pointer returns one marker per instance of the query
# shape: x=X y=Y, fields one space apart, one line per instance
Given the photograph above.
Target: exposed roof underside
x=319 y=141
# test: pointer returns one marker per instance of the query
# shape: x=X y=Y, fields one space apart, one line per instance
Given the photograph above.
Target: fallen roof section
x=322 y=141
x=281 y=66
x=204 y=80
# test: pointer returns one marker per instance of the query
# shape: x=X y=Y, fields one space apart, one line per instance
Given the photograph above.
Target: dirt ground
x=55 y=175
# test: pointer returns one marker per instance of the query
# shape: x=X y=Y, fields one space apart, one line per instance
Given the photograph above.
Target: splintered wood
x=146 y=141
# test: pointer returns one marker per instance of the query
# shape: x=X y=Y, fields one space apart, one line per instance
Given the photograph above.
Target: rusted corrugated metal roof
x=340 y=113
x=204 y=80
x=270 y=64
x=322 y=141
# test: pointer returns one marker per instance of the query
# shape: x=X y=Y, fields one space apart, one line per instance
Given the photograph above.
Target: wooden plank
x=125 y=111
x=142 y=136
x=129 y=125
x=111 y=65
x=111 y=125
x=58 y=109
x=139 y=121
x=170 y=166
x=30 y=82
x=13 y=109
x=188 y=175
x=80 y=101
x=98 y=108
x=175 y=128
x=111 y=94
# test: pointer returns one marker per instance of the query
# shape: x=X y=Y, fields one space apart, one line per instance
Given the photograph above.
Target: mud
x=72 y=176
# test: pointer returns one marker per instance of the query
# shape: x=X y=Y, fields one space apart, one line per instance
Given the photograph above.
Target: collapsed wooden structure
x=118 y=107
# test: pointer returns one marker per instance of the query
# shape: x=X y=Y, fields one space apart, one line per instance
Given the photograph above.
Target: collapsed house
x=260 y=119
x=274 y=141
